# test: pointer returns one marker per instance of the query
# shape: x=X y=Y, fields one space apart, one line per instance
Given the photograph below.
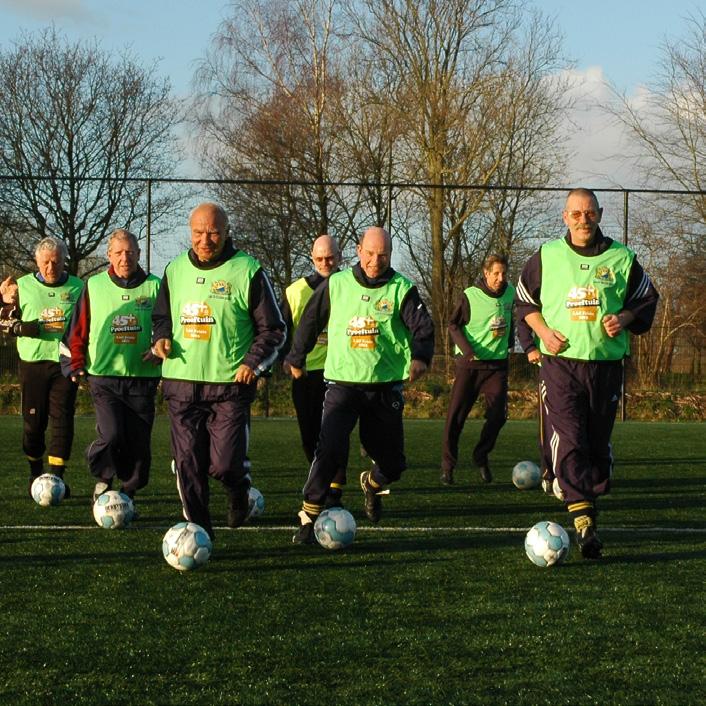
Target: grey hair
x=122 y=234
x=51 y=244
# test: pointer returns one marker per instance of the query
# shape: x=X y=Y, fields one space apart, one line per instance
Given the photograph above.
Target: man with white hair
x=109 y=344
x=37 y=309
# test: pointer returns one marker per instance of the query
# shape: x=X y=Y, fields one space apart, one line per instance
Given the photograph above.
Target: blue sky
x=617 y=40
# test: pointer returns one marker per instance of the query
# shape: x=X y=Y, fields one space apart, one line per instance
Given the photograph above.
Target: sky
x=609 y=40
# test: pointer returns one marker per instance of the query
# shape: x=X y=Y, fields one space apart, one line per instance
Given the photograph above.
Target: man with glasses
x=309 y=390
x=581 y=295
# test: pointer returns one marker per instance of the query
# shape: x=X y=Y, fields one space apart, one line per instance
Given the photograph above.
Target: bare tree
x=666 y=127
x=468 y=93
x=76 y=127
x=269 y=93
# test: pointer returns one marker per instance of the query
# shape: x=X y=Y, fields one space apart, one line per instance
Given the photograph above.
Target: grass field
x=439 y=605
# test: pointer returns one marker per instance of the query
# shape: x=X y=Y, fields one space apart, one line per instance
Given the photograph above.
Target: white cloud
x=49 y=9
x=595 y=140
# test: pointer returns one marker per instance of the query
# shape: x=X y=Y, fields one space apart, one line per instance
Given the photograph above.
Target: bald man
x=379 y=334
x=217 y=327
x=308 y=391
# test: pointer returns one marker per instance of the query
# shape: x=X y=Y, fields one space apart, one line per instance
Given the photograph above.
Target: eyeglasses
x=575 y=215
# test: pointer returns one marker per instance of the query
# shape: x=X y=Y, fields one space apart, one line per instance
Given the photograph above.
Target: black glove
x=14 y=327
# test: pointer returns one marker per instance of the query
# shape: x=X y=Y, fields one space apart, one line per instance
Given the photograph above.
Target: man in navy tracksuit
x=109 y=344
x=581 y=295
x=217 y=327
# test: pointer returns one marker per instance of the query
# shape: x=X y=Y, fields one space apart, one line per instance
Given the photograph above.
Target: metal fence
x=670 y=358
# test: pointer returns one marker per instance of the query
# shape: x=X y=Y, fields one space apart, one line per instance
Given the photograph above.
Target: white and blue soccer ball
x=547 y=544
x=335 y=528
x=526 y=475
x=186 y=546
x=113 y=510
x=48 y=489
x=256 y=503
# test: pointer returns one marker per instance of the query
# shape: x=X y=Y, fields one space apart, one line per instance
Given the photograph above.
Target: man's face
x=123 y=255
x=50 y=264
x=325 y=257
x=582 y=216
x=495 y=277
x=208 y=233
x=374 y=253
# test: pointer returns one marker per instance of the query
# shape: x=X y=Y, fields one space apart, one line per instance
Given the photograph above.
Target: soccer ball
x=48 y=489
x=335 y=528
x=526 y=475
x=256 y=503
x=113 y=510
x=547 y=544
x=186 y=546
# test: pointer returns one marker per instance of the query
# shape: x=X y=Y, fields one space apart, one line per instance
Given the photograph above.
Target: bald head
x=326 y=255
x=374 y=251
x=209 y=229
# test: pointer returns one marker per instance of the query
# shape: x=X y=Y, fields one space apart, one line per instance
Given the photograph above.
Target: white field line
x=389 y=530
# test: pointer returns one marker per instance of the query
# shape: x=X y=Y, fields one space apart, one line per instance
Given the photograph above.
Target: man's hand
x=9 y=291
x=78 y=376
x=554 y=341
x=162 y=347
x=245 y=374
x=534 y=357
x=417 y=369
x=297 y=373
x=612 y=325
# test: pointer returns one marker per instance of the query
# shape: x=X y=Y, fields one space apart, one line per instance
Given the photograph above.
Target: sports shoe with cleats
x=238 y=504
x=305 y=532
x=373 y=501
x=447 y=477
x=100 y=488
x=587 y=538
x=485 y=474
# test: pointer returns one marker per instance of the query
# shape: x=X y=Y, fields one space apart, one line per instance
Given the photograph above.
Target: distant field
x=439 y=605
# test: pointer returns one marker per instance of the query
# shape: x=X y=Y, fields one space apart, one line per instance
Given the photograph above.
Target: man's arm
x=269 y=326
x=72 y=354
x=313 y=321
x=460 y=316
x=640 y=305
x=528 y=305
x=416 y=318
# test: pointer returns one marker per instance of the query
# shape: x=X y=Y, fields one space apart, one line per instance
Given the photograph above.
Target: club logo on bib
x=604 y=275
x=384 y=306
x=124 y=328
x=143 y=302
x=363 y=331
x=220 y=289
x=196 y=318
x=583 y=303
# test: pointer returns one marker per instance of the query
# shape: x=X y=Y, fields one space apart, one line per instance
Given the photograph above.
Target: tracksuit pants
x=378 y=409
x=308 y=398
x=124 y=418
x=582 y=400
x=47 y=396
x=469 y=383
x=210 y=430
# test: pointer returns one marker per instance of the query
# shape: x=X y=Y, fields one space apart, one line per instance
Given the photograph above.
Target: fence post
x=626 y=215
x=149 y=225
